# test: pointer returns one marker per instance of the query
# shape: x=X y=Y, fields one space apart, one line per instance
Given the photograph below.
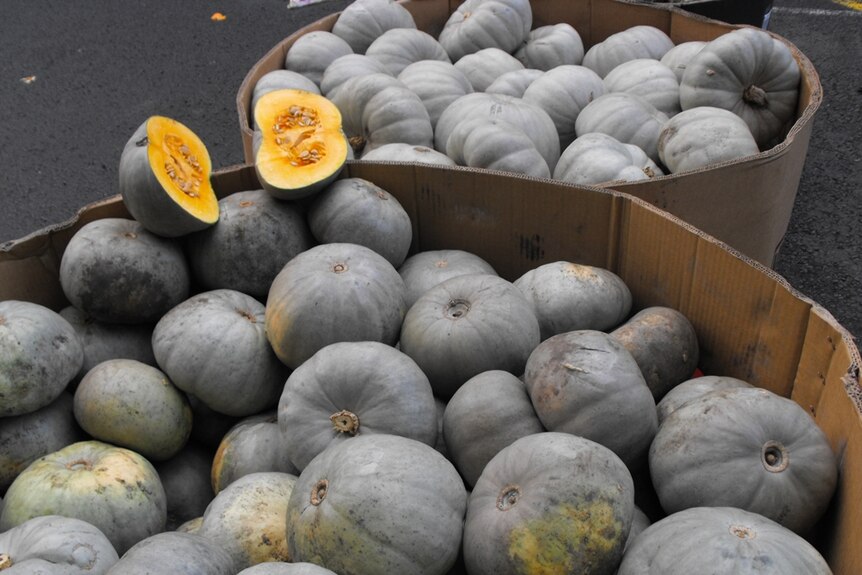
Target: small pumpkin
x=514 y=83
x=346 y=67
x=678 y=57
x=40 y=353
x=55 y=544
x=399 y=47
x=596 y=158
x=423 y=270
x=437 y=84
x=649 y=79
x=313 y=52
x=550 y=46
x=692 y=389
x=478 y=24
x=300 y=146
x=641 y=41
x=486 y=65
x=164 y=178
x=495 y=145
x=297 y=568
x=627 y=117
x=363 y=21
x=177 y=553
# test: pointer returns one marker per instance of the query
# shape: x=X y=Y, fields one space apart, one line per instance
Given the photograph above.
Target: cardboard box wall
x=746 y=203
x=750 y=323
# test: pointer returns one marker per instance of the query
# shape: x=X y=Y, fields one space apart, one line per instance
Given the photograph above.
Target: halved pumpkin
x=164 y=178
x=300 y=147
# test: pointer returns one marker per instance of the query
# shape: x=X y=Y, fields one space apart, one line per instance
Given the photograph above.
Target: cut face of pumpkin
x=300 y=146
x=165 y=178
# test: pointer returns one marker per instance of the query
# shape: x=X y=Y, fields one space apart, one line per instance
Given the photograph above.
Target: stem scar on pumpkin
x=318 y=492
x=5 y=561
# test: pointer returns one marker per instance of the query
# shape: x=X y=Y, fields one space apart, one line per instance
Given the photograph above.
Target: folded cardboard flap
x=751 y=324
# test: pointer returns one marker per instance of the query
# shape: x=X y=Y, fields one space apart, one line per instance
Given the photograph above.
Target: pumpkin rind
x=678 y=57
x=363 y=21
x=40 y=353
x=295 y=568
x=164 y=178
x=300 y=145
x=313 y=52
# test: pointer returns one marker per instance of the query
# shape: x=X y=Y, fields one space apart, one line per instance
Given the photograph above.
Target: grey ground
x=101 y=67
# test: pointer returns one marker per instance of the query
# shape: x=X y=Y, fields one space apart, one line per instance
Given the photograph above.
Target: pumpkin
x=649 y=79
x=330 y=293
x=664 y=344
x=40 y=353
x=246 y=518
x=490 y=411
x=300 y=146
x=56 y=544
x=423 y=270
x=191 y=526
x=134 y=405
x=186 y=480
x=567 y=296
x=550 y=46
x=641 y=41
x=760 y=452
x=355 y=210
x=399 y=47
x=281 y=80
x=495 y=145
x=177 y=553
x=114 y=488
x=563 y=92
x=678 y=57
x=627 y=117
x=693 y=389
x=640 y=521
x=164 y=178
x=363 y=21
x=514 y=83
x=300 y=568
x=378 y=110
x=103 y=341
x=255 y=236
x=253 y=444
x=586 y=383
x=350 y=389
x=731 y=541
x=549 y=503
x=313 y=51
x=437 y=84
x=409 y=497
x=237 y=375
x=526 y=116
x=486 y=65
x=346 y=67
x=116 y=271
x=704 y=136
x=468 y=324
x=750 y=73
x=478 y=24
x=596 y=158
x=25 y=438
x=409 y=153
x=209 y=426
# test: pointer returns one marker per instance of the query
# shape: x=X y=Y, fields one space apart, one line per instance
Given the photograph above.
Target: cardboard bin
x=750 y=323
x=746 y=203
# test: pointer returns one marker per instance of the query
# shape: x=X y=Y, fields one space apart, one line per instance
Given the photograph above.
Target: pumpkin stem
x=5 y=561
x=774 y=457
x=755 y=96
x=345 y=422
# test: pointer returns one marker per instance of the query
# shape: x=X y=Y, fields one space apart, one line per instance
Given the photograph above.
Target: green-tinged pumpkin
x=164 y=178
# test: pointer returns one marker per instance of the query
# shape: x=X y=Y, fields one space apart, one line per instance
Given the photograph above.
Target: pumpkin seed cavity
x=303 y=149
x=181 y=166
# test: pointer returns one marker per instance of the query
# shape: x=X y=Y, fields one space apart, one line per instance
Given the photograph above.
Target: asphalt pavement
x=77 y=78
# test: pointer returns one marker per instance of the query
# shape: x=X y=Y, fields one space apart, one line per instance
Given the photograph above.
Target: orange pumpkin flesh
x=301 y=146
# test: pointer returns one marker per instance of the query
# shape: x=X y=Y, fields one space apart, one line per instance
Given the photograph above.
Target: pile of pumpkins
x=492 y=92
x=278 y=382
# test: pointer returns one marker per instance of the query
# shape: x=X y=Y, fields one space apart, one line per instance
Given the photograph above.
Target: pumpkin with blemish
x=114 y=488
x=164 y=178
x=299 y=143
x=549 y=503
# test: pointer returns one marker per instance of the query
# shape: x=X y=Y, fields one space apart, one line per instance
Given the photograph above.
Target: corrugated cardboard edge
x=752 y=324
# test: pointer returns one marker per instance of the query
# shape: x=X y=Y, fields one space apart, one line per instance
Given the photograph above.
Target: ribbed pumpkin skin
x=408 y=153
x=479 y=24
x=549 y=503
x=649 y=79
x=586 y=383
x=237 y=375
x=255 y=236
x=56 y=545
x=25 y=438
x=286 y=569
x=693 y=389
x=134 y=405
x=634 y=42
x=730 y=541
x=117 y=272
x=364 y=21
x=437 y=83
x=40 y=353
x=313 y=52
x=410 y=498
x=514 y=83
x=246 y=518
x=377 y=388
x=253 y=444
x=495 y=145
x=176 y=553
x=596 y=158
x=490 y=411
x=746 y=448
x=466 y=325
x=550 y=46
x=483 y=67
x=678 y=57
x=113 y=488
x=424 y=270
x=330 y=293
x=627 y=117
x=399 y=47
x=346 y=67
